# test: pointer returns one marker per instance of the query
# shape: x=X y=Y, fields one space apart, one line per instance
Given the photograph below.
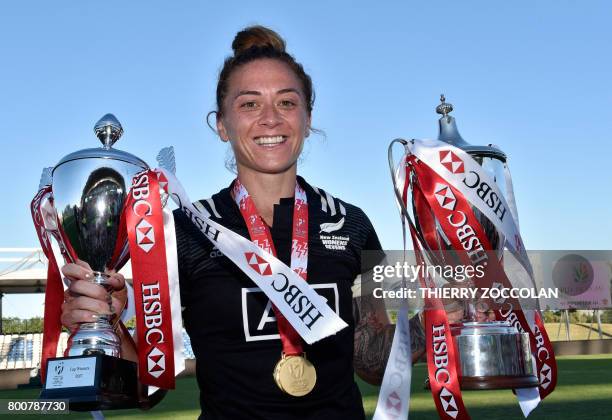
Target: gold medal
x=295 y=375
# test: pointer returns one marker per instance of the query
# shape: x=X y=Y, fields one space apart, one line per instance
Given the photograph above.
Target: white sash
x=394 y=395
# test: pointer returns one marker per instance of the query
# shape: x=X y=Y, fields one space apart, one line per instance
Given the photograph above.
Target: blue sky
x=531 y=77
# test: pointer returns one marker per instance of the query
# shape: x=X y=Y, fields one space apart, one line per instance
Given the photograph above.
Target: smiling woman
x=251 y=363
x=264 y=105
x=265 y=125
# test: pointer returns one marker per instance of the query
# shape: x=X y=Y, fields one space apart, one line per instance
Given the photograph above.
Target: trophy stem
x=96 y=337
x=101 y=279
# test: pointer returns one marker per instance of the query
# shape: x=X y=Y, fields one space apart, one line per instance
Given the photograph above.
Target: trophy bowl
x=89 y=189
x=492 y=354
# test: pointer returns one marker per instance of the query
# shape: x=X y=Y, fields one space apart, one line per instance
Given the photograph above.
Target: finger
x=72 y=319
x=481 y=316
x=86 y=303
x=452 y=305
x=455 y=316
x=83 y=264
x=68 y=296
x=117 y=305
x=117 y=281
x=77 y=272
x=481 y=306
x=85 y=288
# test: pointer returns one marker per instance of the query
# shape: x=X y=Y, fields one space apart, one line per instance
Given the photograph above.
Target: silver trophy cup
x=492 y=354
x=89 y=189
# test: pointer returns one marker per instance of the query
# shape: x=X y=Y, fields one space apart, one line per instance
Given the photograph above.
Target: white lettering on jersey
x=261 y=325
x=268 y=316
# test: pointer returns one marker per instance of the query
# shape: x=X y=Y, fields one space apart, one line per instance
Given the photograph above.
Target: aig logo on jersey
x=258 y=316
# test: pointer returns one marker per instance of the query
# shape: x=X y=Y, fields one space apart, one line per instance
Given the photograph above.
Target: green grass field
x=578 y=331
x=584 y=391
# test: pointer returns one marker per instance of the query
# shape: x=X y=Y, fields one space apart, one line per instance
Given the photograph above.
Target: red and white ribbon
x=442 y=356
x=260 y=235
x=394 y=395
x=458 y=169
x=155 y=282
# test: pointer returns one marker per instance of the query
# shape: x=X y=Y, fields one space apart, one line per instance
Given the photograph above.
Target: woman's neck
x=266 y=190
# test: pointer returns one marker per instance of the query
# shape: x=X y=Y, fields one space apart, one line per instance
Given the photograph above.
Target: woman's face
x=265 y=116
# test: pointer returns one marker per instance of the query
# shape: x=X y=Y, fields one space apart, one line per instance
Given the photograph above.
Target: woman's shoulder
x=217 y=207
x=184 y=219
x=337 y=223
x=330 y=205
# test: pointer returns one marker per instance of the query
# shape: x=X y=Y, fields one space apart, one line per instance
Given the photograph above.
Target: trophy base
x=477 y=383
x=492 y=355
x=484 y=383
x=92 y=382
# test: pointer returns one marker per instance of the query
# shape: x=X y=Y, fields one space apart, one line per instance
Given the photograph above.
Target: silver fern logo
x=331 y=227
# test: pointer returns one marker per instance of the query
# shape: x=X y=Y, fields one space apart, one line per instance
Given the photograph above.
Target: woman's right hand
x=85 y=301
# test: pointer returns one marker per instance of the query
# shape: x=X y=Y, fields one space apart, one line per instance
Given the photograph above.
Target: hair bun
x=257 y=36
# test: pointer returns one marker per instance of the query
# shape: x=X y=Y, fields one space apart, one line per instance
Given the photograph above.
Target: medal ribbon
x=261 y=236
x=145 y=227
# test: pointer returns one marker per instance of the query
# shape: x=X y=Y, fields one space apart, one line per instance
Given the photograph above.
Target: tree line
x=14 y=325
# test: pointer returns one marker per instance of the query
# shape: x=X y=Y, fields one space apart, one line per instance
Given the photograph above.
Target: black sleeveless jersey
x=232 y=326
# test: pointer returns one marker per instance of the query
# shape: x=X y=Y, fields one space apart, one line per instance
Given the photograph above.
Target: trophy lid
x=108 y=130
x=449 y=133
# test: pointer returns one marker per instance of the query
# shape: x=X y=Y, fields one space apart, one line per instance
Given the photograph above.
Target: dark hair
x=257 y=42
